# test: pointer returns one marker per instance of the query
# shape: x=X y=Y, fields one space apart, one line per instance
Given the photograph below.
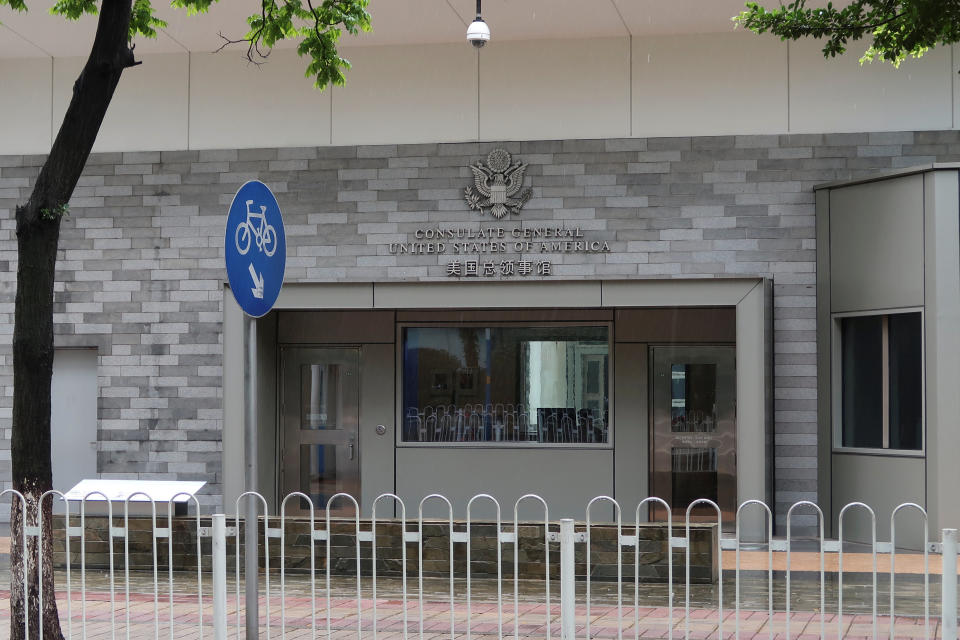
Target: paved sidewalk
x=651 y=619
x=298 y=621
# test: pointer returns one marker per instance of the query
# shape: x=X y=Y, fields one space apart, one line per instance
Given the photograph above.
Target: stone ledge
x=530 y=552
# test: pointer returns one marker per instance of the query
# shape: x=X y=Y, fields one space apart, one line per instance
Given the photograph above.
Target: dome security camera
x=478 y=33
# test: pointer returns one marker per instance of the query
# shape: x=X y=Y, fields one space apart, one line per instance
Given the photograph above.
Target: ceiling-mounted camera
x=478 y=33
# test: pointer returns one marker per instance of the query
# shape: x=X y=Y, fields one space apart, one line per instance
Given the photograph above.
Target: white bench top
x=119 y=490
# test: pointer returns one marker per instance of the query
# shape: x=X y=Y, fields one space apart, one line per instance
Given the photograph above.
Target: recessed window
x=882 y=381
x=524 y=385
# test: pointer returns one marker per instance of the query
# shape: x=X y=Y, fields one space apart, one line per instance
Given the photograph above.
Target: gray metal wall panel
x=883 y=482
x=824 y=334
x=377 y=408
x=876 y=245
x=632 y=422
x=496 y=294
x=568 y=479
x=942 y=346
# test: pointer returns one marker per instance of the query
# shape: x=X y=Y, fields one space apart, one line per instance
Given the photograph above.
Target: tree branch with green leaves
x=896 y=29
x=316 y=27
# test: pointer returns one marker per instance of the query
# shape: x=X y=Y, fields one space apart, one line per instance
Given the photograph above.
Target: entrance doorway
x=694 y=430
x=320 y=421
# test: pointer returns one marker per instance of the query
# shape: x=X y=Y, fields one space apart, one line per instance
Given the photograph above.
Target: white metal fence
x=162 y=612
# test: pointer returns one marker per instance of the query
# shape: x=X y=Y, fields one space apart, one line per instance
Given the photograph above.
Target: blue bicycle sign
x=255 y=248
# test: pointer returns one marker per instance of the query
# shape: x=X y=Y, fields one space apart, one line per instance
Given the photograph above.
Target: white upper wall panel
x=955 y=56
x=25 y=105
x=555 y=89
x=148 y=110
x=712 y=84
x=840 y=94
x=235 y=104
x=407 y=94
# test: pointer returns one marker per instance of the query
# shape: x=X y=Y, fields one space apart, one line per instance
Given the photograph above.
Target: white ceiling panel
x=411 y=21
x=64 y=38
x=201 y=32
x=662 y=17
x=539 y=19
x=12 y=45
x=394 y=22
x=55 y=35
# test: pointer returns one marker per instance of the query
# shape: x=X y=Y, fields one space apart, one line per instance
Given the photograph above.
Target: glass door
x=320 y=418
x=694 y=430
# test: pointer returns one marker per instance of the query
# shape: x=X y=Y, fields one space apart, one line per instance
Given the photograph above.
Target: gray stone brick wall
x=140 y=266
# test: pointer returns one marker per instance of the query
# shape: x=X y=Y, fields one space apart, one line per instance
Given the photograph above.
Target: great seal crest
x=498 y=185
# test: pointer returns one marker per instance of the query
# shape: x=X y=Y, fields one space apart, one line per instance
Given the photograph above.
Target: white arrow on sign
x=257 y=283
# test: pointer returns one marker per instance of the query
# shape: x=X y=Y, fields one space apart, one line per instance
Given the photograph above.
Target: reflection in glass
x=693 y=398
x=861 y=340
x=906 y=381
x=694 y=474
x=318 y=472
x=319 y=396
x=519 y=384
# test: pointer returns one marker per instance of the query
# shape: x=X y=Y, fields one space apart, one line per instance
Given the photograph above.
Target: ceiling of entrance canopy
x=37 y=33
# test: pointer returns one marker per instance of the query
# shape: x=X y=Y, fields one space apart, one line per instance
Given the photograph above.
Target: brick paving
x=298 y=621
x=294 y=616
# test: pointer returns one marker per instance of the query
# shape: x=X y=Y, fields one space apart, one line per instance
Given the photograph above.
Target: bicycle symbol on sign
x=256 y=227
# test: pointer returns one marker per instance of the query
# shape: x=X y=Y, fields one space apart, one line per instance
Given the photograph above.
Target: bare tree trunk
x=38 y=231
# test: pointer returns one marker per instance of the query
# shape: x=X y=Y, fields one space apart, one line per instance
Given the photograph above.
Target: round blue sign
x=255 y=248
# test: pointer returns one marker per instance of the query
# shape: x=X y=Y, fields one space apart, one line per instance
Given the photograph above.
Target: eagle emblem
x=498 y=186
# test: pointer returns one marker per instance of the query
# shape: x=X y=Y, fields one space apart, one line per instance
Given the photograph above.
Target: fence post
x=568 y=600
x=220 y=576
x=948 y=589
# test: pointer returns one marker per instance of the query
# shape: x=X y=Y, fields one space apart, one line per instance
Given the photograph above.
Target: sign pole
x=251 y=448
x=255 y=256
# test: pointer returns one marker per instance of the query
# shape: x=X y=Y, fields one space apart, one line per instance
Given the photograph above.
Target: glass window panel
x=862 y=381
x=906 y=381
x=318 y=396
x=863 y=361
x=693 y=398
x=494 y=384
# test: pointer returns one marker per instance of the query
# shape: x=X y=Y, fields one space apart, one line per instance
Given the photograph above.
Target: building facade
x=641 y=320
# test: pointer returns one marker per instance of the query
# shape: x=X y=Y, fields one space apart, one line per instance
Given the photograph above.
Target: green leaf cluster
x=897 y=28
x=51 y=214
x=314 y=25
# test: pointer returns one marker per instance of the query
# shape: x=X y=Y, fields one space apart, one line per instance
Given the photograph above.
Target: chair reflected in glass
x=502 y=422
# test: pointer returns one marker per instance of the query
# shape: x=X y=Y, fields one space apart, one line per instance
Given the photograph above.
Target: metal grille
x=315 y=603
